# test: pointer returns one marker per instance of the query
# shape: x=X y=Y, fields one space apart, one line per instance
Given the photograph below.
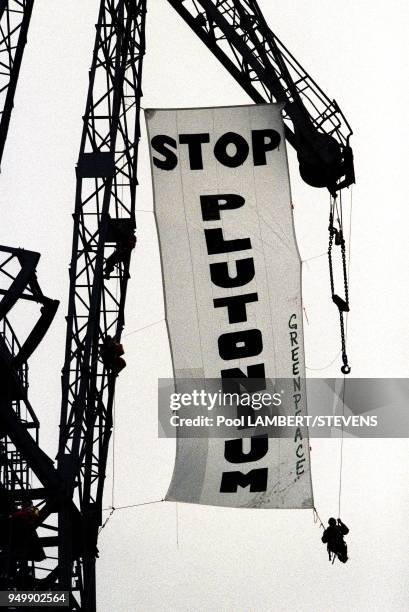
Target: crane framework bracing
x=63 y=546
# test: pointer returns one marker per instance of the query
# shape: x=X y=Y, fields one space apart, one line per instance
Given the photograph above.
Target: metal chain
x=344 y=268
x=331 y=238
x=345 y=369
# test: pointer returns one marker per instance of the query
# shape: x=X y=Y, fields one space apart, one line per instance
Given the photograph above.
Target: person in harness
x=333 y=537
x=125 y=243
x=28 y=513
x=111 y=355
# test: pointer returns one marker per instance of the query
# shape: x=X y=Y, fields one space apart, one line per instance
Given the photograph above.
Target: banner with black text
x=232 y=286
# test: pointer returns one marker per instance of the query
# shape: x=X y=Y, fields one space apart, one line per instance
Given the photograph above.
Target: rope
x=327 y=366
x=113 y=455
x=349 y=254
x=317 y=518
x=114 y=425
x=135 y=331
x=303 y=261
x=177 y=525
x=114 y=509
x=343 y=390
x=334 y=209
x=341 y=451
x=106 y=521
x=156 y=501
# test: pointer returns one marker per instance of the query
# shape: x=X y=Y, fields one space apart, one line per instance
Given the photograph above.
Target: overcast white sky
x=232 y=559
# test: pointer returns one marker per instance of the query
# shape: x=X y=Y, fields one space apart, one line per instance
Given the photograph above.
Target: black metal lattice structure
x=103 y=238
x=15 y=18
x=104 y=217
x=236 y=32
x=26 y=556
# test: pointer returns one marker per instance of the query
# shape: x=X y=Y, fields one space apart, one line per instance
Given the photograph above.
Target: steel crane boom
x=236 y=32
x=104 y=225
x=15 y=18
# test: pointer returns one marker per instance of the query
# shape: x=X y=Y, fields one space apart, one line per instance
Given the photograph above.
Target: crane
x=104 y=219
x=104 y=226
x=24 y=553
x=21 y=458
x=239 y=37
x=15 y=18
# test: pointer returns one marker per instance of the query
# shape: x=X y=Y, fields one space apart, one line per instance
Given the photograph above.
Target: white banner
x=232 y=285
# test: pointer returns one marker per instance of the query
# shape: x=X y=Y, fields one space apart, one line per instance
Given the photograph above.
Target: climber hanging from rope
x=333 y=537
